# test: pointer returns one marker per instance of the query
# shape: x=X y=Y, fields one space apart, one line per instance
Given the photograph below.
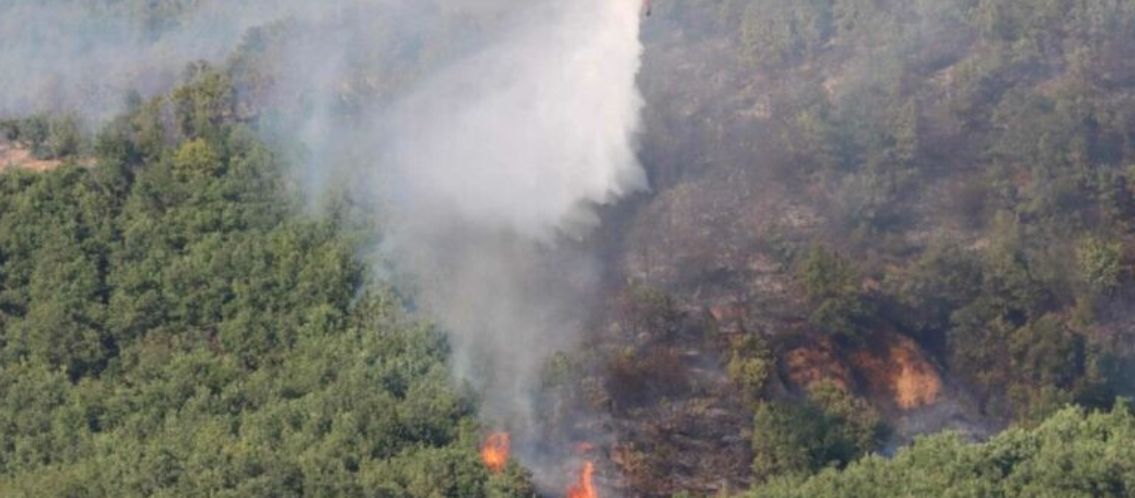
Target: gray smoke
x=82 y=57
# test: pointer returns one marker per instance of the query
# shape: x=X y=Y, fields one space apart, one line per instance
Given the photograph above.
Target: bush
x=829 y=429
x=1073 y=454
x=751 y=363
x=1101 y=265
x=831 y=285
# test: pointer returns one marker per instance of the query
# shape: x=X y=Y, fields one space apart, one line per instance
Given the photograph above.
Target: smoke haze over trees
x=289 y=248
x=470 y=168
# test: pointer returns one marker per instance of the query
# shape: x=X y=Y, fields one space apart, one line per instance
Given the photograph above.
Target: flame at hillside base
x=584 y=488
x=495 y=450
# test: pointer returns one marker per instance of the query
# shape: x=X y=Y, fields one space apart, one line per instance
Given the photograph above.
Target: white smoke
x=494 y=167
x=525 y=134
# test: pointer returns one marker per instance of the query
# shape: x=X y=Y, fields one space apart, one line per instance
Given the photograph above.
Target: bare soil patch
x=15 y=156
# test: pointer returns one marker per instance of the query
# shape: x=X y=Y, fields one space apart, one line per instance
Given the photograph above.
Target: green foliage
x=784 y=440
x=775 y=32
x=1045 y=352
x=830 y=428
x=831 y=284
x=170 y=326
x=47 y=136
x=750 y=366
x=203 y=104
x=195 y=158
x=1101 y=265
x=1072 y=454
x=943 y=279
x=1001 y=339
x=649 y=310
x=1019 y=106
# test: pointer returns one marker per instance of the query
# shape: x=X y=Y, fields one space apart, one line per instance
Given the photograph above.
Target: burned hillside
x=926 y=206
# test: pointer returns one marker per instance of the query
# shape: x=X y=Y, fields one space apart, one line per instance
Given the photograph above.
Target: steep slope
x=963 y=164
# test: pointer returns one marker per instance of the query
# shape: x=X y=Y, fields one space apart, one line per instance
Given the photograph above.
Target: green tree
x=1101 y=265
x=750 y=366
x=830 y=429
x=170 y=325
x=831 y=285
x=1073 y=454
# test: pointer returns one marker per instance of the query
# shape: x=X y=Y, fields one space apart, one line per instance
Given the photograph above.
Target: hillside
x=869 y=222
x=927 y=205
x=172 y=325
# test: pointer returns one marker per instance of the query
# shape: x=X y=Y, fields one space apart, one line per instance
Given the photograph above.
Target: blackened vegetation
x=925 y=207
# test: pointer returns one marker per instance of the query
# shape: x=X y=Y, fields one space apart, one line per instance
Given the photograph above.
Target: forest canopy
x=1072 y=454
x=172 y=324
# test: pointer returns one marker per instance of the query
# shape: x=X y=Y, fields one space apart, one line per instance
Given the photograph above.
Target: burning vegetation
x=584 y=487
x=495 y=451
x=497 y=447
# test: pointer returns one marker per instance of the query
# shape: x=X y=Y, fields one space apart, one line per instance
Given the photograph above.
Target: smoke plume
x=493 y=168
x=484 y=132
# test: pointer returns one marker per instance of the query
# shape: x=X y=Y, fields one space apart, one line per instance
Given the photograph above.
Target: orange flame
x=495 y=451
x=584 y=488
